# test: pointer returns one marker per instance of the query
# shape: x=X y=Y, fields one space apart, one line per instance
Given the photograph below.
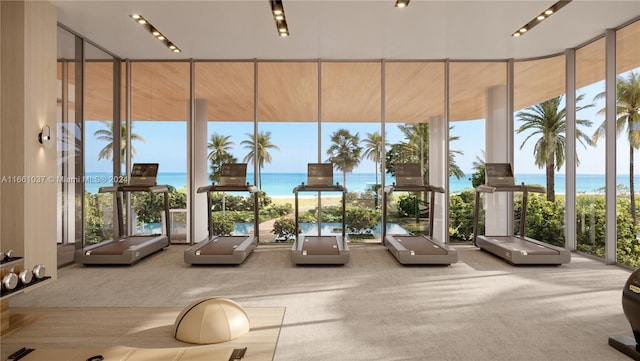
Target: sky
x=166 y=143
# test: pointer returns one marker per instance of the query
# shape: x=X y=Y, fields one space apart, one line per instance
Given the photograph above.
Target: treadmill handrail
x=307 y=188
x=333 y=188
x=510 y=188
x=214 y=188
x=134 y=188
x=218 y=188
x=525 y=189
x=417 y=188
x=425 y=188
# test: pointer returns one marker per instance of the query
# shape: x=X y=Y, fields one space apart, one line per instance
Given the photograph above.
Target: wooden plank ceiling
x=350 y=91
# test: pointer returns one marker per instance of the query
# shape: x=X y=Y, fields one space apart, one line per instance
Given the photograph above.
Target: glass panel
x=539 y=142
x=590 y=150
x=628 y=118
x=288 y=114
x=477 y=106
x=69 y=131
x=351 y=127
x=223 y=128
x=98 y=157
x=414 y=98
x=159 y=107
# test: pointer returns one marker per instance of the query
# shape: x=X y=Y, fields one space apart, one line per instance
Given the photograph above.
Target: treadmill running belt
x=420 y=245
x=222 y=245
x=117 y=247
x=320 y=245
x=519 y=244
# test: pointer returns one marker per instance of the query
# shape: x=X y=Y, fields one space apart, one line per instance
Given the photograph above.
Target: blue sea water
x=282 y=184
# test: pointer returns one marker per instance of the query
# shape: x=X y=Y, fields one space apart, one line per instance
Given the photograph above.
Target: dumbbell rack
x=16 y=264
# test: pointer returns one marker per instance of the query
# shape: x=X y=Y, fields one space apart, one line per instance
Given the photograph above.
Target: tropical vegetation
x=627 y=123
x=344 y=152
x=259 y=151
x=547 y=123
x=107 y=135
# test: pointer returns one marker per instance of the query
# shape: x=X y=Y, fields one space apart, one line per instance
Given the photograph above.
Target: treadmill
x=320 y=249
x=129 y=249
x=412 y=249
x=226 y=249
x=514 y=249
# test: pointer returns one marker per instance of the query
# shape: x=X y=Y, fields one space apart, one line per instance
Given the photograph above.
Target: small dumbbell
x=26 y=276
x=1 y=256
x=39 y=271
x=10 y=281
x=9 y=254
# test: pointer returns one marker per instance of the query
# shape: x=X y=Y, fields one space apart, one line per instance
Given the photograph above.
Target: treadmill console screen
x=499 y=174
x=408 y=174
x=233 y=174
x=320 y=174
x=143 y=174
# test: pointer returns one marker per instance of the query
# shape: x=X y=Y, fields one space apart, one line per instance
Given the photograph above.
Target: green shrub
x=284 y=228
x=545 y=220
x=408 y=205
x=461 y=216
x=223 y=224
x=362 y=220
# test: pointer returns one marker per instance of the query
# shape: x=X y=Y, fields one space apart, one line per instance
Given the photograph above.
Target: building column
x=498 y=206
x=438 y=174
x=28 y=92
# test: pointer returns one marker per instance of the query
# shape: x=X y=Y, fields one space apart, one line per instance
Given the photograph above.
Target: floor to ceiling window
x=628 y=141
x=99 y=141
x=477 y=113
x=539 y=144
x=158 y=134
x=351 y=141
x=224 y=113
x=69 y=130
x=590 y=149
x=287 y=141
x=414 y=113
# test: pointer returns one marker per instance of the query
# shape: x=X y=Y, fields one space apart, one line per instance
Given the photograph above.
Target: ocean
x=282 y=184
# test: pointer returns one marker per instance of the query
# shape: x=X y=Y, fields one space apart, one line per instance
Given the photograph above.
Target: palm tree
x=345 y=151
x=628 y=116
x=219 y=148
x=373 y=149
x=418 y=137
x=454 y=168
x=261 y=154
x=548 y=122
x=107 y=136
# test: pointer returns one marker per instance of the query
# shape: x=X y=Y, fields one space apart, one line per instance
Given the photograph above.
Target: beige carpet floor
x=376 y=309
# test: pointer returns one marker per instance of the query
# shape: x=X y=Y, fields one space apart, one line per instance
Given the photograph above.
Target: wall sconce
x=45 y=137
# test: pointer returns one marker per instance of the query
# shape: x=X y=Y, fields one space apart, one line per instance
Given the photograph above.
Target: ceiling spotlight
x=154 y=31
x=278 y=15
x=545 y=14
x=402 y=3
